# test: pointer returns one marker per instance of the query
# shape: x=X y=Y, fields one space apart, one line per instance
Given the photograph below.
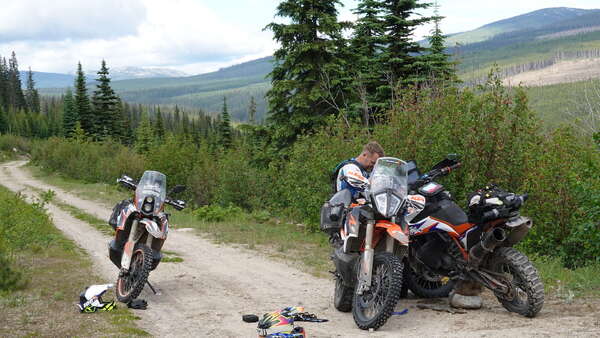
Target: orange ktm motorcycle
x=372 y=243
x=141 y=227
x=372 y=248
x=448 y=244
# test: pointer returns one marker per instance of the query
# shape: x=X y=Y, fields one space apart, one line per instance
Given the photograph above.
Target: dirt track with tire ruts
x=207 y=293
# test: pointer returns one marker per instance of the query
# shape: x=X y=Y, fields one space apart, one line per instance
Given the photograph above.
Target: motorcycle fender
x=153 y=229
x=345 y=265
x=395 y=231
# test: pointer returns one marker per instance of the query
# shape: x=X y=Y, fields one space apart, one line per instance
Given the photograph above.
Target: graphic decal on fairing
x=428 y=225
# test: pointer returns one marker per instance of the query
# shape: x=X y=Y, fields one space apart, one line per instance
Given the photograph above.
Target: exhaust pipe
x=490 y=241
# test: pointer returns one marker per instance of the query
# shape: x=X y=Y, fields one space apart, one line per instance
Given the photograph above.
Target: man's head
x=372 y=151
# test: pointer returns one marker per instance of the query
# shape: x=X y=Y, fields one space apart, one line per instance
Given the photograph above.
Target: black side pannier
x=332 y=211
x=112 y=221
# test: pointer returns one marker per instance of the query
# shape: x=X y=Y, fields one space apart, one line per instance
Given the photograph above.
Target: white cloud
x=181 y=34
x=68 y=19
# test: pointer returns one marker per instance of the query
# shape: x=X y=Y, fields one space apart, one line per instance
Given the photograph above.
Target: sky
x=193 y=36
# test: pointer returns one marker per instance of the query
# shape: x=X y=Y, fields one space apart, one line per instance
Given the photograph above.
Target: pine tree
x=159 y=125
x=106 y=104
x=78 y=133
x=306 y=60
x=31 y=95
x=82 y=104
x=399 y=60
x=225 y=126
x=144 y=135
x=4 y=87
x=70 y=117
x=16 y=98
x=252 y=111
x=3 y=122
x=176 y=127
x=437 y=62
x=367 y=45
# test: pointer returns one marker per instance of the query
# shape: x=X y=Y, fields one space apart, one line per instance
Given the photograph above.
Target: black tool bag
x=112 y=221
x=332 y=211
x=331 y=217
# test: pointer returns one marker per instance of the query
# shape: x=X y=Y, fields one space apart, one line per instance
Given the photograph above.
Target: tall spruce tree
x=367 y=45
x=144 y=135
x=3 y=122
x=437 y=62
x=16 y=98
x=225 y=126
x=105 y=105
x=159 y=126
x=252 y=111
x=399 y=59
x=82 y=104
x=70 y=117
x=4 y=87
x=309 y=41
x=32 y=96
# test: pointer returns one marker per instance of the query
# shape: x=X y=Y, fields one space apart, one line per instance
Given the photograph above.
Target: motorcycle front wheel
x=527 y=291
x=130 y=285
x=373 y=308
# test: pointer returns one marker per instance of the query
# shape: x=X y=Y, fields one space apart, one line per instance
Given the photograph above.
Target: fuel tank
x=444 y=210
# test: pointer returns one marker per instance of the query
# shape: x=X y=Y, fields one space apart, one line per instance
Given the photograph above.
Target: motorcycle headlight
x=381 y=202
x=387 y=204
x=148 y=204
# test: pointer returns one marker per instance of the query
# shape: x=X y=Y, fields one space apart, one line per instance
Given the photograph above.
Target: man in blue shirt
x=353 y=174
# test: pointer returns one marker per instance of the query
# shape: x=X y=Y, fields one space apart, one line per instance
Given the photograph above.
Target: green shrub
x=24 y=227
x=217 y=213
x=92 y=162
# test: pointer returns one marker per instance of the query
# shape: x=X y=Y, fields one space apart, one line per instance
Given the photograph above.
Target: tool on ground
x=138 y=304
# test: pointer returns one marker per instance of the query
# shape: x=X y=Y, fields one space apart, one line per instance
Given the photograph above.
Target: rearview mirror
x=177 y=189
x=453 y=157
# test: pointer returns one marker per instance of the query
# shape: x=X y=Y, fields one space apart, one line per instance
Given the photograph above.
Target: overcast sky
x=194 y=36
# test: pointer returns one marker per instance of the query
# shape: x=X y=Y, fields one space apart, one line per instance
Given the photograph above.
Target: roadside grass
x=98 y=192
x=306 y=250
x=566 y=283
x=52 y=272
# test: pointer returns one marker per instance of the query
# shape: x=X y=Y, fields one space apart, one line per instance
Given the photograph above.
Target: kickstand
x=151 y=287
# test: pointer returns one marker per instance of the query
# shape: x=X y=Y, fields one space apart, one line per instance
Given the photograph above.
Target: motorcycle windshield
x=152 y=184
x=389 y=174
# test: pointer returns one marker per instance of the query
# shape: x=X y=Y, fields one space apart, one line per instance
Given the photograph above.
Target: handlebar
x=433 y=174
x=177 y=204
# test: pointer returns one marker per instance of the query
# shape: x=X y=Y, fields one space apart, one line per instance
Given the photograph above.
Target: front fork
x=366 y=266
x=129 y=245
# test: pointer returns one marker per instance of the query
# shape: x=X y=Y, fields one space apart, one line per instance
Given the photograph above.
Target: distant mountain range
x=521 y=44
x=57 y=80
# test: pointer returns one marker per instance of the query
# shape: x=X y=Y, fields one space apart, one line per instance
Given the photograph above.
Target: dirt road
x=206 y=294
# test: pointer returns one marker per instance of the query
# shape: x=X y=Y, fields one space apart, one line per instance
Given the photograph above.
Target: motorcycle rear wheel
x=373 y=308
x=130 y=285
x=527 y=288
